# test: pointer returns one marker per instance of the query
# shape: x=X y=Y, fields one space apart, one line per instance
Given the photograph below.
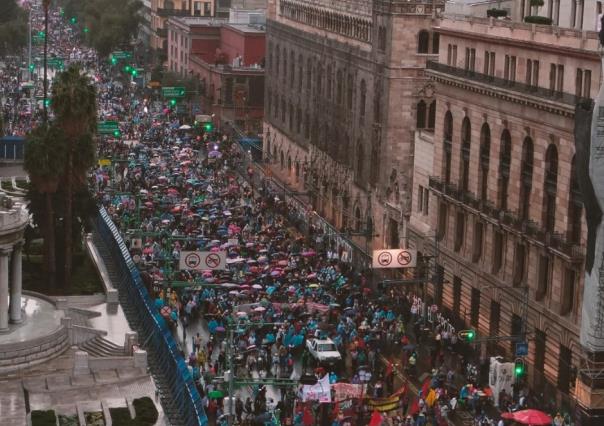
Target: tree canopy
x=13 y=27
x=111 y=24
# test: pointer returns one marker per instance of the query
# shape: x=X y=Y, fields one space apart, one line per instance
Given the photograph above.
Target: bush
x=146 y=413
x=43 y=418
x=121 y=417
x=539 y=20
x=497 y=13
x=68 y=420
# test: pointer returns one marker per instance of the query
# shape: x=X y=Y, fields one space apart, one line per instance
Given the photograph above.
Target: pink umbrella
x=244 y=286
x=309 y=253
x=259 y=309
x=215 y=249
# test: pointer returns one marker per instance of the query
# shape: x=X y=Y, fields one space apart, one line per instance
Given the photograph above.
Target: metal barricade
x=153 y=329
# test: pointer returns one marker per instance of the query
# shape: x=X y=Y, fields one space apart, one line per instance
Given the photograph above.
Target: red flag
x=376 y=419
x=414 y=409
x=307 y=418
x=402 y=390
x=425 y=387
x=389 y=369
x=336 y=409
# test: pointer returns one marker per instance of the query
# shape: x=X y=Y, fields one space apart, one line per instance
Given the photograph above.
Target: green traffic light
x=41 y=34
x=134 y=72
x=113 y=60
x=73 y=20
x=116 y=133
x=127 y=68
x=172 y=102
x=31 y=67
x=208 y=127
x=470 y=335
x=86 y=30
x=47 y=102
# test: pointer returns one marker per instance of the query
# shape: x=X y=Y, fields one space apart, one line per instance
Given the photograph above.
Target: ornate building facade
x=345 y=90
x=503 y=200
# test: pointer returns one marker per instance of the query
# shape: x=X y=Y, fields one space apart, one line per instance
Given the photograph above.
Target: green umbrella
x=215 y=394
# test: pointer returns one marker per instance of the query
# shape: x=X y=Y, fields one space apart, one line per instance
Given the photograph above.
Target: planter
x=43 y=418
x=68 y=420
x=94 y=418
x=539 y=20
x=497 y=13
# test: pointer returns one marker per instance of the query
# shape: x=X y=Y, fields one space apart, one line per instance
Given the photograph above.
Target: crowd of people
x=174 y=188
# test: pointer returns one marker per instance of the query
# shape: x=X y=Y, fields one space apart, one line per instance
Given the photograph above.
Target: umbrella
x=531 y=417
x=220 y=329
x=314 y=285
x=257 y=286
x=184 y=127
x=214 y=154
x=215 y=394
x=259 y=309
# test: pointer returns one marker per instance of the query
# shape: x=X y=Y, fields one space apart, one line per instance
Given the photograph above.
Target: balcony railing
x=521 y=88
x=174 y=12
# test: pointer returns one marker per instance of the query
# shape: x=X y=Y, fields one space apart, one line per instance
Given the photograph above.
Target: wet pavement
x=40 y=318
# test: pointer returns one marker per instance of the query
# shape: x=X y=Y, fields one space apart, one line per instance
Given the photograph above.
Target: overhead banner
x=203 y=260
x=400 y=258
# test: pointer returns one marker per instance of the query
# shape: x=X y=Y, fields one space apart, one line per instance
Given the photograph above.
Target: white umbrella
x=184 y=127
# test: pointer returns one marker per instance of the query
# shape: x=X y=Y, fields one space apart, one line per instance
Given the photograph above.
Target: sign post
x=203 y=260
x=400 y=258
x=107 y=127
x=173 y=92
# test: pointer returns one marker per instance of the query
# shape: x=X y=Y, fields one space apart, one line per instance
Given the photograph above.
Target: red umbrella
x=529 y=417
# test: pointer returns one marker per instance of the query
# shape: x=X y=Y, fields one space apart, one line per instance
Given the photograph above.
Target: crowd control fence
x=153 y=330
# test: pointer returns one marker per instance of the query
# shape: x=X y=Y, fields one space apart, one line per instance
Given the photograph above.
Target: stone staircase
x=100 y=347
x=159 y=376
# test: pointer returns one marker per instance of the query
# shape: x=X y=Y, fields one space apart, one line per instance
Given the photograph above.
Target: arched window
x=421 y=115
x=447 y=146
x=575 y=207
x=300 y=72
x=505 y=159
x=277 y=60
x=308 y=74
x=284 y=65
x=435 y=42
x=423 y=41
x=551 y=187
x=466 y=139
x=362 y=99
x=360 y=160
x=432 y=115
x=526 y=178
x=485 y=154
x=357 y=219
x=349 y=90
x=339 y=88
x=292 y=71
x=329 y=82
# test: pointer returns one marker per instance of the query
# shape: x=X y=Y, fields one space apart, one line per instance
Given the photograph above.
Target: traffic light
x=519 y=368
x=134 y=72
x=208 y=127
x=113 y=60
x=172 y=102
x=47 y=102
x=41 y=34
x=127 y=69
x=467 y=335
x=86 y=30
x=73 y=20
x=117 y=133
x=31 y=67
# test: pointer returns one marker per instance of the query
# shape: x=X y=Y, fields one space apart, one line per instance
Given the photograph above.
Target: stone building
x=343 y=83
x=503 y=200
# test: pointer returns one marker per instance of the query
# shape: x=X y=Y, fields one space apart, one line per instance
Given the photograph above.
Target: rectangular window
x=420 y=198
x=472 y=59
x=454 y=59
x=487 y=57
x=449 y=54
x=475 y=308
x=467 y=63
x=512 y=68
x=587 y=84
x=564 y=368
x=536 y=73
x=560 y=85
x=579 y=83
x=515 y=330
x=460 y=229
x=442 y=221
x=543 y=283
x=506 y=68
x=568 y=291
x=552 y=77
x=478 y=238
x=456 y=296
x=492 y=64
x=426 y=200
x=519 y=264
x=497 y=251
x=495 y=318
x=529 y=72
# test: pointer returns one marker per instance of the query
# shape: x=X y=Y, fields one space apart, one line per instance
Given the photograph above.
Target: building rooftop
x=249 y=29
x=191 y=21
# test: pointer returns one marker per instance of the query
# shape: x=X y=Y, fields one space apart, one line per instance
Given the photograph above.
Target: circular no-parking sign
x=404 y=258
x=384 y=258
x=192 y=260
x=212 y=260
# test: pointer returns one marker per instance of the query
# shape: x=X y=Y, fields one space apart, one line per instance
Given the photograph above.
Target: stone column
x=15 y=285
x=4 y=290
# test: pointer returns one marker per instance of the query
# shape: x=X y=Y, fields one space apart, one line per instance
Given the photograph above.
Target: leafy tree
x=44 y=161
x=74 y=104
x=13 y=27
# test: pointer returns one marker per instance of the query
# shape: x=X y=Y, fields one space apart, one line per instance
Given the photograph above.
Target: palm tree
x=44 y=162
x=74 y=104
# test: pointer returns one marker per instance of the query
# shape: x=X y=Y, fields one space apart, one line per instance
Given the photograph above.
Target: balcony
x=495 y=82
x=173 y=12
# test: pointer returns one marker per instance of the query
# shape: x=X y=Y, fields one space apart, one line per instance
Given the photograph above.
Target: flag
x=425 y=387
x=389 y=369
x=376 y=419
x=402 y=391
x=414 y=409
x=307 y=418
x=431 y=398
